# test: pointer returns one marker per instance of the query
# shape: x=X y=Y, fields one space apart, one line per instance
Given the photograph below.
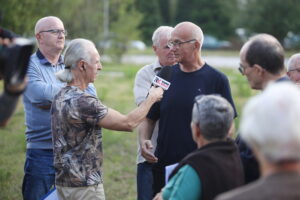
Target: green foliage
x=214 y=17
x=125 y=20
x=275 y=17
x=114 y=86
x=151 y=18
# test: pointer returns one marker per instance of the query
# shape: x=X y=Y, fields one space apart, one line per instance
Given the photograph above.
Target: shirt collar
x=44 y=60
x=156 y=67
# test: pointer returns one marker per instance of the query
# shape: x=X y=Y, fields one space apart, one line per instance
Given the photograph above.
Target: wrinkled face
x=294 y=75
x=93 y=66
x=165 y=55
x=51 y=35
x=183 y=45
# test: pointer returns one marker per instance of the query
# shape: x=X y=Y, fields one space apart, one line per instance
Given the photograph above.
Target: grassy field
x=114 y=86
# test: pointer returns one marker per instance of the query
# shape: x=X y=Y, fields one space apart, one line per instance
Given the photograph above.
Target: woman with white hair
x=77 y=119
x=270 y=125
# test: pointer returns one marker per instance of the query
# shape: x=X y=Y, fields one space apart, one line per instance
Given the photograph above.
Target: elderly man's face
x=165 y=56
x=182 y=44
x=93 y=66
x=51 y=35
x=294 y=75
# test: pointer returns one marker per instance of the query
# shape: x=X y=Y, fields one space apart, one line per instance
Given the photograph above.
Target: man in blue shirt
x=191 y=77
x=41 y=89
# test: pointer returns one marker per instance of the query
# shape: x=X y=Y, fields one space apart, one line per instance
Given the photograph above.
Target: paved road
x=216 y=61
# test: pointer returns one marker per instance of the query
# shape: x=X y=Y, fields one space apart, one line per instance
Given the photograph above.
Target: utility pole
x=105 y=19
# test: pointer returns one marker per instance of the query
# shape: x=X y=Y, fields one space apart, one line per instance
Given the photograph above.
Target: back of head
x=266 y=51
x=270 y=122
x=78 y=49
x=191 y=30
x=214 y=116
x=160 y=32
x=294 y=62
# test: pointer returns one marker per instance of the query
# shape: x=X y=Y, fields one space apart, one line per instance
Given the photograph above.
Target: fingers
x=147 y=152
x=156 y=92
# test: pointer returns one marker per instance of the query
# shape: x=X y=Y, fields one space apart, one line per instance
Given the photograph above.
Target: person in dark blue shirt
x=192 y=76
x=262 y=62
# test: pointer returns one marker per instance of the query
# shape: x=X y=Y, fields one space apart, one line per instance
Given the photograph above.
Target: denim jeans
x=144 y=181
x=39 y=173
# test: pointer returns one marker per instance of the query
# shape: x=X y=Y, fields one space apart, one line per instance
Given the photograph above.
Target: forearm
x=136 y=116
x=7 y=107
x=145 y=130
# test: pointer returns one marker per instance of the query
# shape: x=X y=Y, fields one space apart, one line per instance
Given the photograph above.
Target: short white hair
x=43 y=21
x=270 y=123
x=78 y=49
x=293 y=62
x=159 y=32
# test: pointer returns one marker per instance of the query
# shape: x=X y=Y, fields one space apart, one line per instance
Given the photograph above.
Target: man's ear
x=259 y=69
x=154 y=47
x=196 y=132
x=81 y=65
x=197 y=45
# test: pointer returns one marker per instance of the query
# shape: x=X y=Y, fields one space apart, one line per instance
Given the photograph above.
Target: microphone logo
x=157 y=81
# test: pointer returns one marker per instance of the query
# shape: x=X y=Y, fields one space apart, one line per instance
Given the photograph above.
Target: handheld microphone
x=163 y=77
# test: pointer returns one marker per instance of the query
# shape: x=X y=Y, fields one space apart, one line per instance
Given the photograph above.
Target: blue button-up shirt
x=41 y=89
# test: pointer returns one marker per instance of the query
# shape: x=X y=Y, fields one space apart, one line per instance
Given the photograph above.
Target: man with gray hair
x=215 y=167
x=76 y=121
x=270 y=125
x=192 y=76
x=293 y=68
x=143 y=81
x=41 y=89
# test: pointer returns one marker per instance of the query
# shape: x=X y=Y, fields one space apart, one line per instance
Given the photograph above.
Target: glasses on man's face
x=242 y=69
x=178 y=43
x=56 y=32
x=295 y=69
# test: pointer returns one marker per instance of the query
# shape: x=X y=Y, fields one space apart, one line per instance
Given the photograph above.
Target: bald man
x=41 y=89
x=262 y=62
x=293 y=68
x=192 y=76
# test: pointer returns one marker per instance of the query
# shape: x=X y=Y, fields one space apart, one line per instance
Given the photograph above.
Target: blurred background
x=122 y=31
x=119 y=26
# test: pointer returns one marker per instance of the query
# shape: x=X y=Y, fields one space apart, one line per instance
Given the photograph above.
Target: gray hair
x=197 y=33
x=214 y=115
x=270 y=123
x=159 y=32
x=78 y=49
x=294 y=61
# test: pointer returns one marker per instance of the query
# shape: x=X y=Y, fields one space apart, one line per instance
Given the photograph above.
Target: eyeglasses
x=295 y=69
x=242 y=69
x=55 y=32
x=177 y=43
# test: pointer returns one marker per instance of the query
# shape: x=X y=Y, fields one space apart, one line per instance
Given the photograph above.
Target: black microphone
x=163 y=78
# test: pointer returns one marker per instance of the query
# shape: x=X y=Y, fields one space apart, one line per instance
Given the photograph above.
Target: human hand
x=147 y=153
x=156 y=93
x=158 y=196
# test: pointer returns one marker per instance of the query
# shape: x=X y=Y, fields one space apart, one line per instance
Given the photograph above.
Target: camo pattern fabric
x=77 y=139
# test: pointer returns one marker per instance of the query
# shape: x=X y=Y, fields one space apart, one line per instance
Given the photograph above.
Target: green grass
x=115 y=89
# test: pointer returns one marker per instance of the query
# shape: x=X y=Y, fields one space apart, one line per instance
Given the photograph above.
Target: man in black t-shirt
x=192 y=76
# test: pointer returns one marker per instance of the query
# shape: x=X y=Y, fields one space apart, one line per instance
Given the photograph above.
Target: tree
x=214 y=17
x=151 y=18
x=275 y=17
